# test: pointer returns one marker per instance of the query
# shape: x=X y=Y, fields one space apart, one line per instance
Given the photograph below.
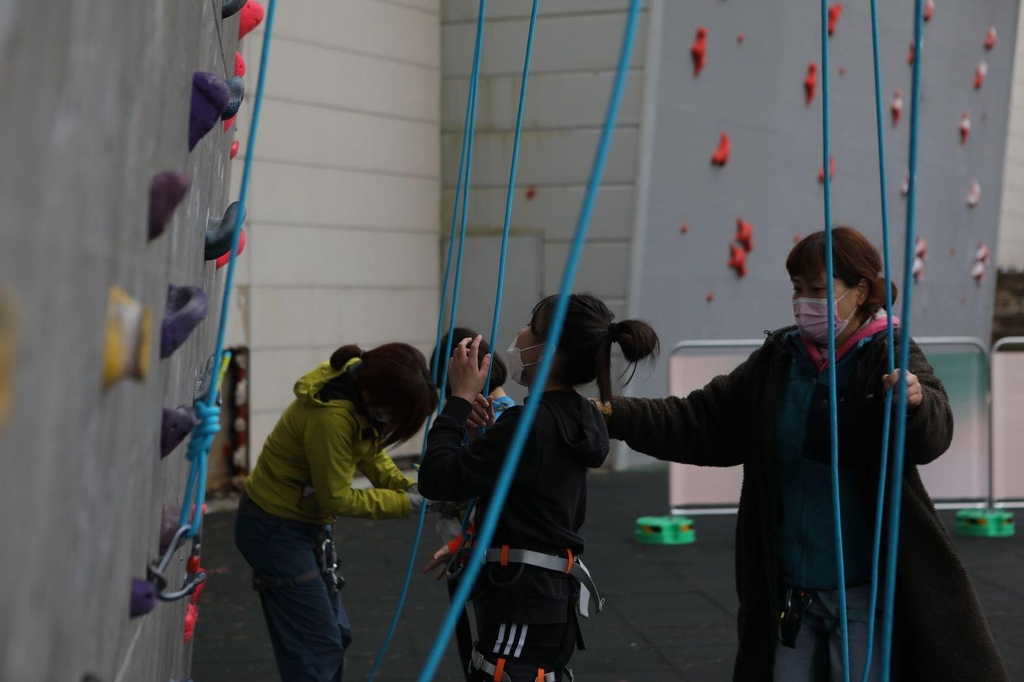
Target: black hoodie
x=545 y=508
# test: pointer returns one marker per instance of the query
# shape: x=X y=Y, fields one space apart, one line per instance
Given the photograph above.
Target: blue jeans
x=308 y=626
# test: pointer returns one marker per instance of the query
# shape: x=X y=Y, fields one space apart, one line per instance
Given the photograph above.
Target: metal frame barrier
x=993 y=503
x=933 y=341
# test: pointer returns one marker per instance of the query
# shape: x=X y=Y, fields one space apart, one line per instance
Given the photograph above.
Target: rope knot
x=208 y=427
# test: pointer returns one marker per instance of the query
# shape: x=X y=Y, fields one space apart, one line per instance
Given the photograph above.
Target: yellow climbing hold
x=9 y=329
x=129 y=333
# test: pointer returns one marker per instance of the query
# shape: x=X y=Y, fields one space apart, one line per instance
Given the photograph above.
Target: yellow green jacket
x=305 y=470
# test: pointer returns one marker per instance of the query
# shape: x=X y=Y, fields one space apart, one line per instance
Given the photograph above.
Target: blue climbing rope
x=461 y=189
x=896 y=480
x=833 y=412
x=207 y=411
x=508 y=468
x=889 y=347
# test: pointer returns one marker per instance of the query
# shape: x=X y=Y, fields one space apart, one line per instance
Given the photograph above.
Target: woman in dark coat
x=771 y=415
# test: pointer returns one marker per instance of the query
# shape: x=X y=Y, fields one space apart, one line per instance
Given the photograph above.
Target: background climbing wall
x=346 y=186
x=95 y=100
x=753 y=89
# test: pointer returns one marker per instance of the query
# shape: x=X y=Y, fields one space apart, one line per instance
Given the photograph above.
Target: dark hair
x=499 y=371
x=394 y=379
x=854 y=258
x=585 y=348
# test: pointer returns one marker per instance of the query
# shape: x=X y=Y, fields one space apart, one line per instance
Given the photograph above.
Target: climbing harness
x=498 y=674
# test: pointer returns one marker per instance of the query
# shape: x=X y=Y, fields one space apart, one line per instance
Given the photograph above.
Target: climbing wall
x=94 y=101
x=734 y=159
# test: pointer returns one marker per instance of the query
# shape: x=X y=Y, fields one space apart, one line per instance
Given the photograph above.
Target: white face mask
x=812 y=318
x=518 y=367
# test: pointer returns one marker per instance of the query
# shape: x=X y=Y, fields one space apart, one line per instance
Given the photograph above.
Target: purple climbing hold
x=169 y=525
x=175 y=426
x=143 y=598
x=231 y=7
x=219 y=232
x=210 y=95
x=237 y=88
x=186 y=308
x=166 y=191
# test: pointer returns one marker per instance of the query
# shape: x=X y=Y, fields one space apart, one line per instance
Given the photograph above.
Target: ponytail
x=343 y=355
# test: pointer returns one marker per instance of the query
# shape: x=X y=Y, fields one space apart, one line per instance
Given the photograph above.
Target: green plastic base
x=665 y=530
x=985 y=523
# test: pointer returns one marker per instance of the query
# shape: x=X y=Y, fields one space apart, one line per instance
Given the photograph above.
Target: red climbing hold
x=810 y=81
x=910 y=54
x=740 y=38
x=223 y=260
x=929 y=9
x=698 y=50
x=199 y=588
x=896 y=108
x=239 y=64
x=980 y=71
x=234 y=148
x=738 y=259
x=834 y=12
x=228 y=123
x=721 y=155
x=250 y=17
x=842 y=70
x=974 y=194
x=684 y=228
x=191 y=616
x=745 y=234
x=831 y=170
x=710 y=297
x=965 y=127
x=990 y=38
x=531 y=192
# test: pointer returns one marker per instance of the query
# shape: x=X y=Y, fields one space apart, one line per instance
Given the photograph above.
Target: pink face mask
x=812 y=318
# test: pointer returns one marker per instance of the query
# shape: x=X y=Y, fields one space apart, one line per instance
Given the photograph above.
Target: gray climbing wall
x=94 y=99
x=754 y=91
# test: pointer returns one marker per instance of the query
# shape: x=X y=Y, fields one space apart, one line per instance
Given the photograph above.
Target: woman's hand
x=482 y=416
x=441 y=558
x=914 y=392
x=466 y=373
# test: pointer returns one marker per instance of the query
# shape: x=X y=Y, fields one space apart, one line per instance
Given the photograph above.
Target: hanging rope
x=207 y=412
x=461 y=189
x=889 y=347
x=896 y=479
x=833 y=412
x=504 y=481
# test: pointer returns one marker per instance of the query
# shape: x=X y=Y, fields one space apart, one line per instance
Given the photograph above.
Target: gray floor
x=669 y=614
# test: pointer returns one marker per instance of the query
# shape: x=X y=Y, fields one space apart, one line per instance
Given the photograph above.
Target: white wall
x=344 y=202
x=1010 y=253
x=575 y=51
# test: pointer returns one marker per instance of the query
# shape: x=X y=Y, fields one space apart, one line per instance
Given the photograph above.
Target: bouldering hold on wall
x=952 y=251
x=210 y=95
x=226 y=258
x=921 y=247
x=169 y=517
x=237 y=88
x=974 y=194
x=531 y=192
x=738 y=259
x=831 y=170
x=918 y=269
x=228 y=123
x=143 y=598
x=896 y=108
x=724 y=150
x=175 y=425
x=166 y=191
x=929 y=9
x=842 y=70
x=219 y=232
x=745 y=234
x=965 y=127
x=239 y=64
x=231 y=7
x=810 y=82
x=250 y=17
x=990 y=38
x=710 y=297
x=684 y=228
x=834 y=12
x=905 y=185
x=740 y=38
x=980 y=71
x=978 y=271
x=235 y=145
x=191 y=617
x=980 y=262
x=698 y=51
x=910 y=54
x=982 y=253
x=127 y=337
x=186 y=309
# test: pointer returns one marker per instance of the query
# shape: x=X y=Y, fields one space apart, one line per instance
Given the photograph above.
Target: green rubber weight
x=984 y=523
x=665 y=530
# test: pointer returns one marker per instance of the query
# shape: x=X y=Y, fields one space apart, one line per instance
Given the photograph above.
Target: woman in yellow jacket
x=345 y=413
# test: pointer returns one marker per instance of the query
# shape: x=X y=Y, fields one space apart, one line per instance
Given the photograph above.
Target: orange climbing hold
x=698 y=51
x=738 y=259
x=721 y=155
x=745 y=234
x=810 y=82
x=128 y=337
x=834 y=12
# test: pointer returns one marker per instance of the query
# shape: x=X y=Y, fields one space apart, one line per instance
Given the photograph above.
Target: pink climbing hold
x=929 y=9
x=239 y=64
x=250 y=17
x=224 y=259
x=740 y=38
x=684 y=228
x=965 y=127
x=896 y=108
x=980 y=71
x=990 y=38
x=710 y=297
x=234 y=148
x=974 y=194
x=842 y=70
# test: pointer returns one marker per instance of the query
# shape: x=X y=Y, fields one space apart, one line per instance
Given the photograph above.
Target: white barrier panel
x=961 y=474
x=1007 y=424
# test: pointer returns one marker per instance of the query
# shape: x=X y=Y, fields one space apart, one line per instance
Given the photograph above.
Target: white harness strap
x=576 y=569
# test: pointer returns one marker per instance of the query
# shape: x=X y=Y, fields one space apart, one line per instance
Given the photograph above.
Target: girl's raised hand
x=466 y=373
x=482 y=416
